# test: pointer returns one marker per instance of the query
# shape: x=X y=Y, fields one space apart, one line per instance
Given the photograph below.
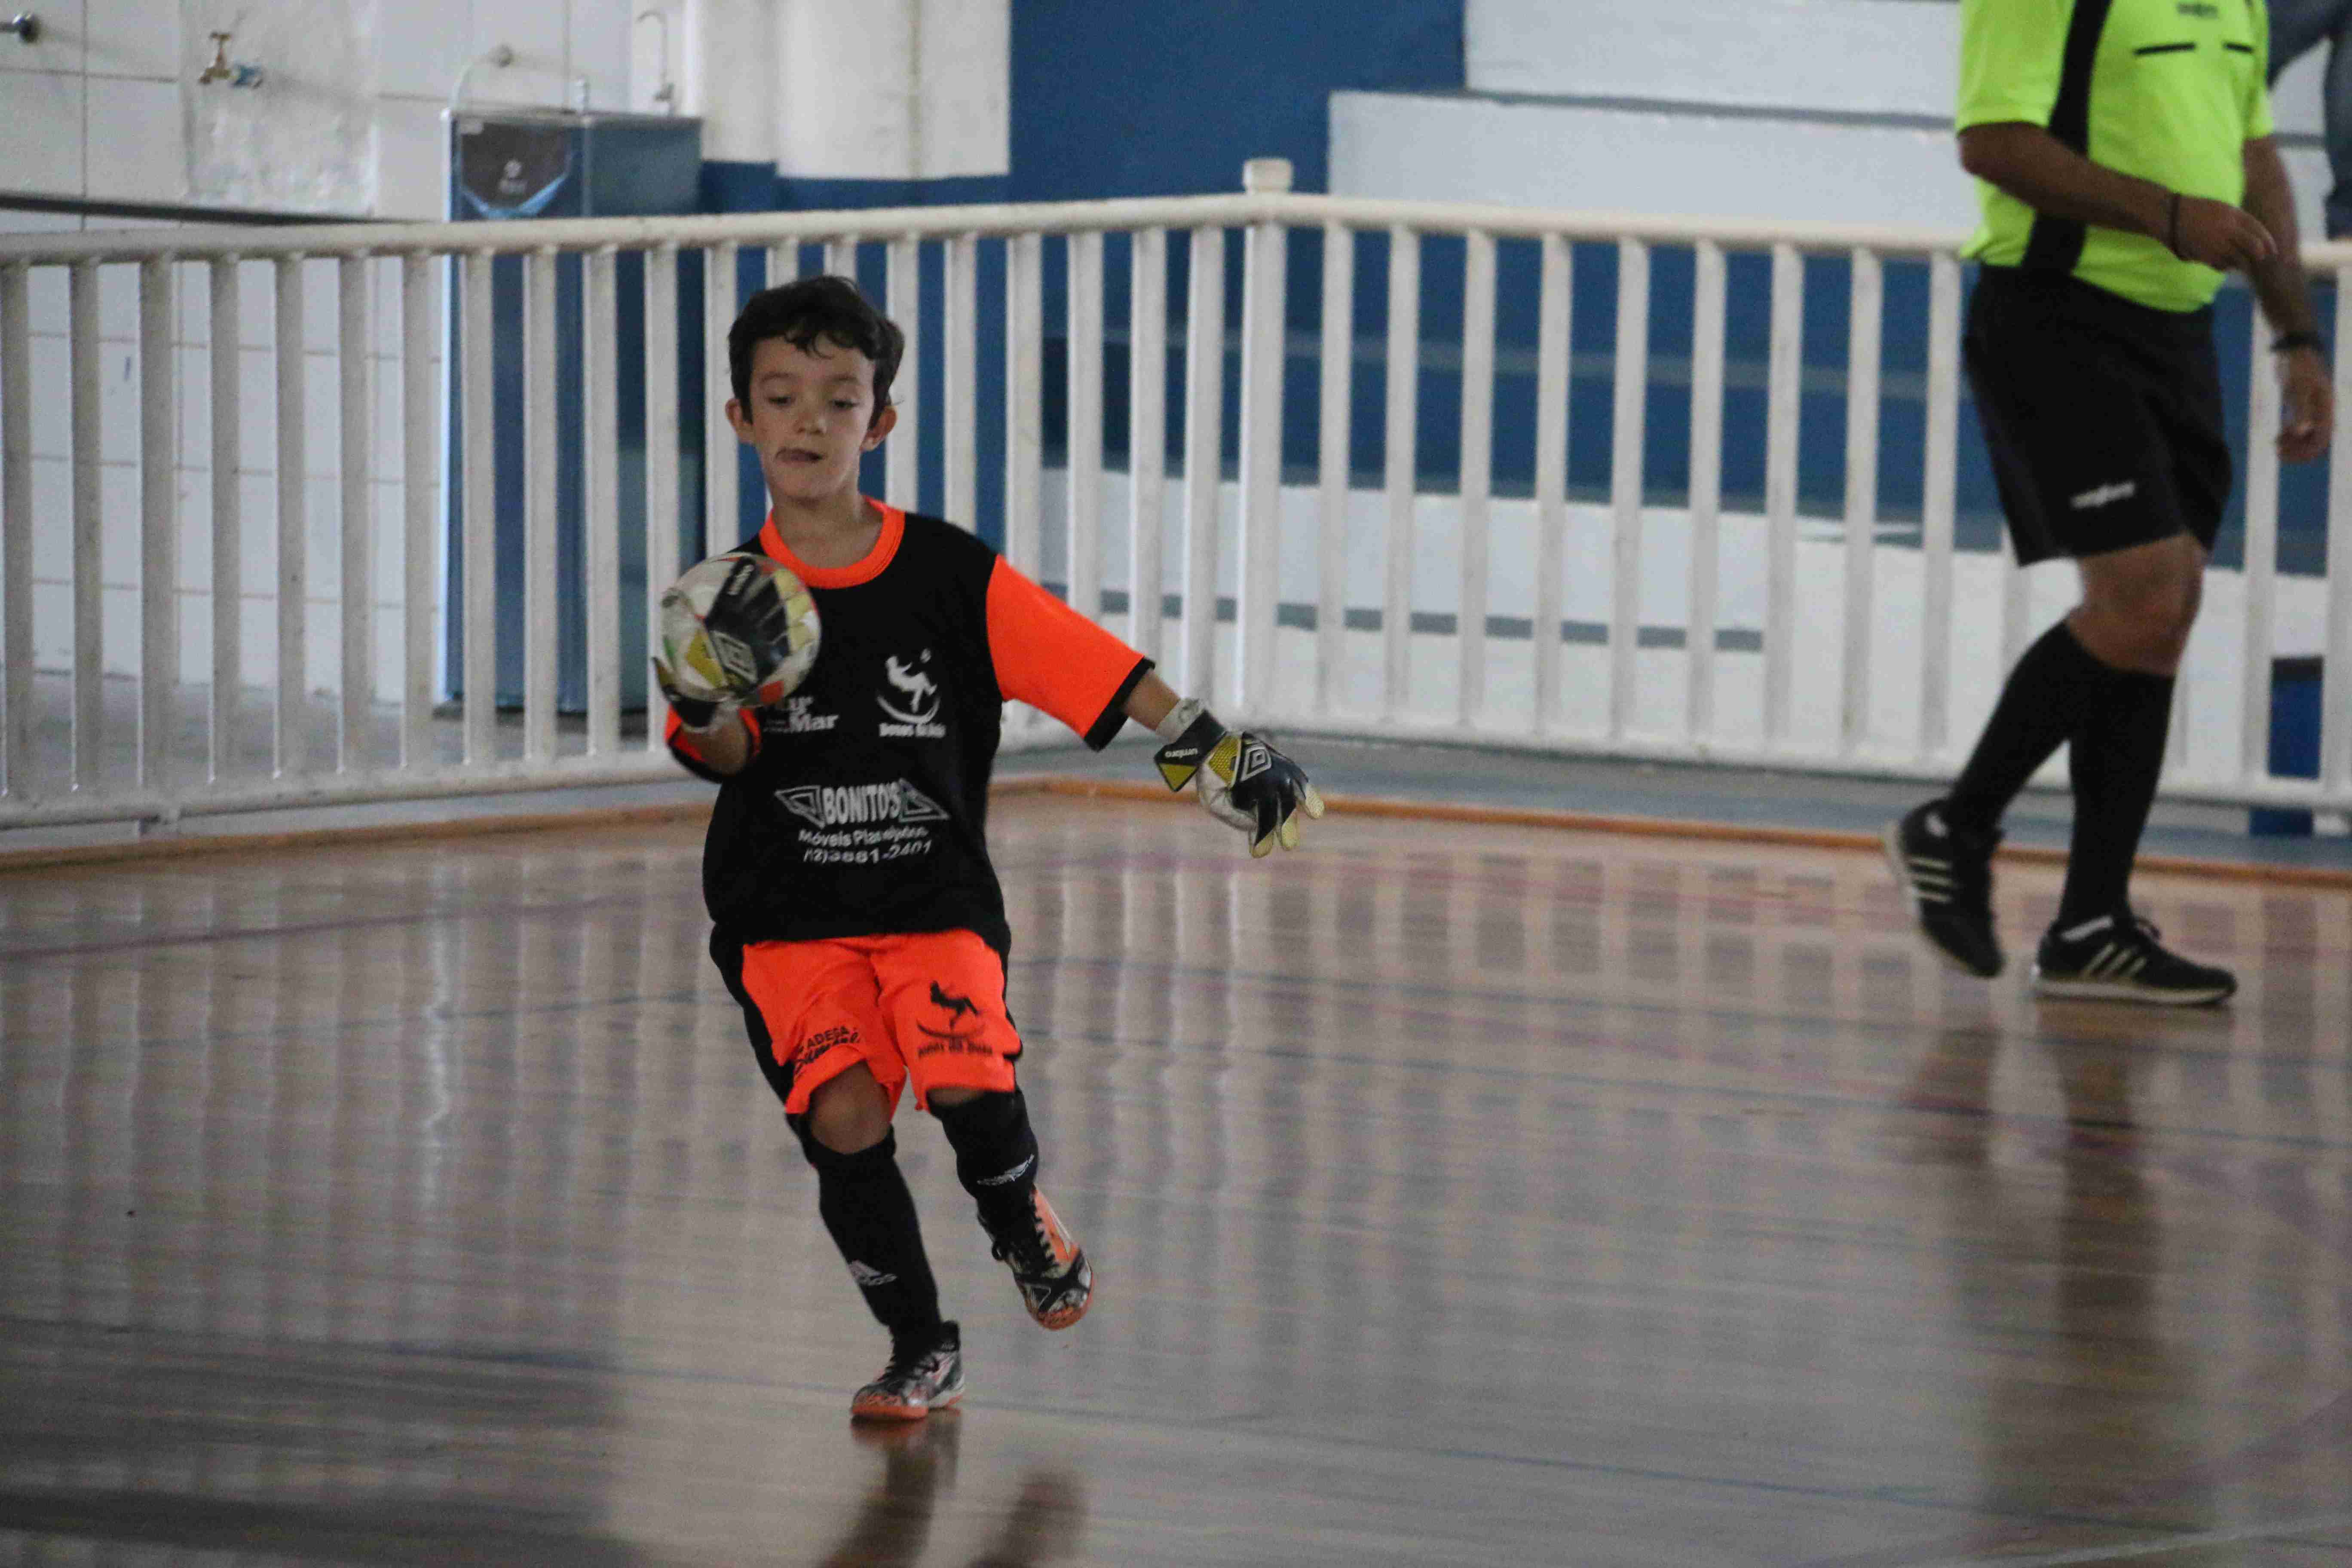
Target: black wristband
x=1185 y=755
x=2286 y=342
x=2172 y=226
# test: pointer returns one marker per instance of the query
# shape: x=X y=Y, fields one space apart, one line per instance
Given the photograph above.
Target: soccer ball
x=739 y=627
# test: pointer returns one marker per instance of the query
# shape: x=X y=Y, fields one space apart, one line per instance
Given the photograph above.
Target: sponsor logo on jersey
x=800 y=717
x=860 y=806
x=910 y=708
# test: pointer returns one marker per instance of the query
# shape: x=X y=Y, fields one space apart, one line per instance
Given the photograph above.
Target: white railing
x=1707 y=633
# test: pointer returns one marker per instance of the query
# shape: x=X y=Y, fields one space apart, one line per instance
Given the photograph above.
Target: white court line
x=2153 y=1548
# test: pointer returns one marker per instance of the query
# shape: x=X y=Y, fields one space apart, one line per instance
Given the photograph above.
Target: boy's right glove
x=1244 y=782
x=746 y=617
x=703 y=713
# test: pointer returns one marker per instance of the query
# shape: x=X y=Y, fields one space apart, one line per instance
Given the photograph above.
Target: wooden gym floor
x=1459 y=1193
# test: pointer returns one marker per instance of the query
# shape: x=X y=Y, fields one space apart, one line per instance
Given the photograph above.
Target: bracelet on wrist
x=2287 y=343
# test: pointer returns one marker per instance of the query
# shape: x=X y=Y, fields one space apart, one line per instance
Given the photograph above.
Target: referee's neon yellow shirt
x=2171 y=90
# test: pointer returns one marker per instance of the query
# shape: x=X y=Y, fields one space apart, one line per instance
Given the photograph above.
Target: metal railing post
x=1258 y=577
x=1629 y=431
x=1401 y=467
x=1204 y=406
x=1333 y=435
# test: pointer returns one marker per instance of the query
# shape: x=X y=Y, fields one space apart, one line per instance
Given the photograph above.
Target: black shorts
x=2103 y=418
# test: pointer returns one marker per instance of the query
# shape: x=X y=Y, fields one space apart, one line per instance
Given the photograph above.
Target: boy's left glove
x=1244 y=782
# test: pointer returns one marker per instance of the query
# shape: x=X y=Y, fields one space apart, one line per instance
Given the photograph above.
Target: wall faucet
x=666 y=93
x=237 y=74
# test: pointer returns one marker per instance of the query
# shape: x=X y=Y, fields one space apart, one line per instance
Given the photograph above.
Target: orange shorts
x=925 y=1005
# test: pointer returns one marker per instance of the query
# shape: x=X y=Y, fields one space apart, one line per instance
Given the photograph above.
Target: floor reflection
x=2055 y=1232
x=1043 y=1525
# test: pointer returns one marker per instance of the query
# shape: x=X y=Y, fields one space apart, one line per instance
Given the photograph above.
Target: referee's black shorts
x=2104 y=416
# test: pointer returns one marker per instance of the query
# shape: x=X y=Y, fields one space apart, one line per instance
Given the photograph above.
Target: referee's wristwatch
x=2287 y=343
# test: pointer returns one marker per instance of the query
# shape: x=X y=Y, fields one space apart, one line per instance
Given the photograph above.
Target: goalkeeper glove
x=702 y=714
x=1244 y=782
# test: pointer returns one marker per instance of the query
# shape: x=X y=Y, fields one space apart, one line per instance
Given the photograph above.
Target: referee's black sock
x=870 y=1214
x=2116 y=759
x=2049 y=695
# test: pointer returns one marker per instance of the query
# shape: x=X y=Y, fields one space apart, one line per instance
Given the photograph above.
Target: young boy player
x=858 y=921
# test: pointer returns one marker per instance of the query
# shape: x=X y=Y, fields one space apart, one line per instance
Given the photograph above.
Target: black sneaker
x=923 y=1376
x=1057 y=1283
x=2118 y=957
x=1947 y=874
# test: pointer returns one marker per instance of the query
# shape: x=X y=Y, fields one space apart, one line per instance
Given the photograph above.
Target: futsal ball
x=765 y=640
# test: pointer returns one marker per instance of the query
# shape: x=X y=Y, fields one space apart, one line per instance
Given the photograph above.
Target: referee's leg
x=2138 y=605
x=2104 y=426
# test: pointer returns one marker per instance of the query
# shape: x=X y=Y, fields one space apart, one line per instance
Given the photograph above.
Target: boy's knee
x=854 y=1165
x=847 y=1114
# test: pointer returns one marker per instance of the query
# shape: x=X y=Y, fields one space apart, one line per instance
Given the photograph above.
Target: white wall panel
x=536 y=31
x=138 y=39
x=45 y=131
x=1871 y=56
x=964 y=67
x=599 y=43
x=412 y=160
x=422 y=45
x=729 y=78
x=894 y=89
x=137 y=144
x=1482 y=150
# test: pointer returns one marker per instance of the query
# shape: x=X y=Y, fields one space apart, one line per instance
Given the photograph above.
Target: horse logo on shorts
x=957 y=1008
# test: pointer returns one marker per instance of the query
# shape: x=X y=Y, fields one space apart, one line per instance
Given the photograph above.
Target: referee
x=2125 y=160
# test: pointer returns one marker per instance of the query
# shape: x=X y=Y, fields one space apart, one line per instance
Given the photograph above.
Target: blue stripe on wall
x=1147 y=101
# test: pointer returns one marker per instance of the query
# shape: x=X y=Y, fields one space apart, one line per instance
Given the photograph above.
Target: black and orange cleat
x=922 y=1376
x=1057 y=1283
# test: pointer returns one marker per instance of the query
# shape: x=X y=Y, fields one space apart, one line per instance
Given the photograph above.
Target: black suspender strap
x=2056 y=244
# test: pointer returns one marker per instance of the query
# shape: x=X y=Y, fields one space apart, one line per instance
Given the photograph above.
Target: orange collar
x=864 y=569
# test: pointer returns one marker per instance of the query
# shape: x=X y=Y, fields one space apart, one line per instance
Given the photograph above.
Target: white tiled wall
x=120 y=474
x=100 y=107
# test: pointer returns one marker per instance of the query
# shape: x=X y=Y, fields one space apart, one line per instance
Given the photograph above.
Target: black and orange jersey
x=864 y=807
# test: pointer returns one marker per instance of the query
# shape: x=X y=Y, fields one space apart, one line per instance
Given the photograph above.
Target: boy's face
x=811 y=417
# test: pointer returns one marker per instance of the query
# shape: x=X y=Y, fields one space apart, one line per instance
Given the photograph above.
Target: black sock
x=869 y=1212
x=996 y=1155
x=2050 y=692
x=2116 y=759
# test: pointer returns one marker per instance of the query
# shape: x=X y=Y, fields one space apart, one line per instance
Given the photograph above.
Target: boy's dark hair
x=800 y=313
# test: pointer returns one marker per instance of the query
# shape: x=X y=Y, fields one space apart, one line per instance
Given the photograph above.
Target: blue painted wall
x=1137 y=100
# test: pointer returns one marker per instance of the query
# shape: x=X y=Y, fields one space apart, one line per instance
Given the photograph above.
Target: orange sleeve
x=690 y=756
x=1050 y=657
